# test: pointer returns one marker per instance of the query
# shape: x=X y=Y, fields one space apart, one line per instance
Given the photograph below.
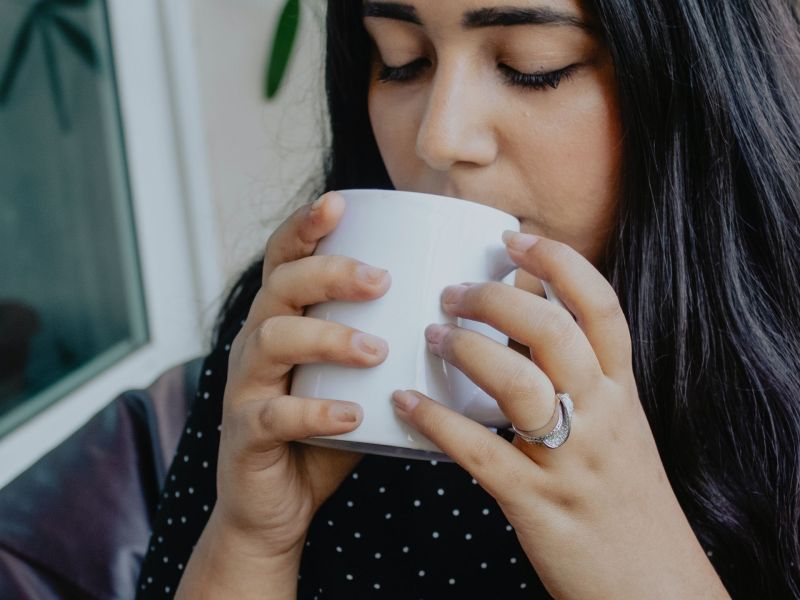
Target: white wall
x=258 y=152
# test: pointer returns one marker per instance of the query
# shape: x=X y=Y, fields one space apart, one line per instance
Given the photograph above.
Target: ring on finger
x=556 y=435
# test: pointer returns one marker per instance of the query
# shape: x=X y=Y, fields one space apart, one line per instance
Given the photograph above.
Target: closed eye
x=405 y=72
x=535 y=81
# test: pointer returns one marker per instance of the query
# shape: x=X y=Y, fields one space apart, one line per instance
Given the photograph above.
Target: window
x=71 y=301
x=109 y=272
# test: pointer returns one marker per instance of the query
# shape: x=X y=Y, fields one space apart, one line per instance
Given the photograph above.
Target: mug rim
x=451 y=200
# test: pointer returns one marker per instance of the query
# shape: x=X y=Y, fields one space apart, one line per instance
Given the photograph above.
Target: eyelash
x=536 y=81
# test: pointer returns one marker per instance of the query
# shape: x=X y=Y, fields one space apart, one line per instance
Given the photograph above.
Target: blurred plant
x=282 y=44
x=44 y=18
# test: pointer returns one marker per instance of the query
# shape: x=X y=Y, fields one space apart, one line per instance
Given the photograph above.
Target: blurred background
x=147 y=151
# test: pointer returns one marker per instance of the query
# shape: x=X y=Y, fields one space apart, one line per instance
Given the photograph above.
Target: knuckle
x=331 y=291
x=334 y=341
x=481 y=295
x=593 y=464
x=332 y=276
x=272 y=280
x=551 y=256
x=277 y=285
x=559 y=494
x=329 y=263
x=265 y=418
x=357 y=285
x=560 y=327
x=608 y=307
x=273 y=418
x=278 y=272
x=269 y=249
x=566 y=502
x=267 y=330
x=520 y=383
x=237 y=343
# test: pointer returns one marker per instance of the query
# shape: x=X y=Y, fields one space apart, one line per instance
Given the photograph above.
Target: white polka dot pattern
x=394 y=528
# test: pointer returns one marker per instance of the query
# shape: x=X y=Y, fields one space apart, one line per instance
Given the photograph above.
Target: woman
x=651 y=149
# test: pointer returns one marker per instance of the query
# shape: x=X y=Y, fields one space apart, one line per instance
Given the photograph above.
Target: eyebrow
x=500 y=16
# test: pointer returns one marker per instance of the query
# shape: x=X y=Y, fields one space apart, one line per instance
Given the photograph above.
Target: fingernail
x=435 y=333
x=404 y=400
x=519 y=242
x=345 y=412
x=369 y=344
x=452 y=294
x=370 y=274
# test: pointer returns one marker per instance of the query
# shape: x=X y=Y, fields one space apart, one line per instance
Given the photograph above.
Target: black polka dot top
x=395 y=528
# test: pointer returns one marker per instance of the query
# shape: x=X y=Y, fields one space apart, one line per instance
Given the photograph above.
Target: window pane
x=71 y=300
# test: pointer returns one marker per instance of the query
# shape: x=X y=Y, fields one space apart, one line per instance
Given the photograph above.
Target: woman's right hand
x=269 y=488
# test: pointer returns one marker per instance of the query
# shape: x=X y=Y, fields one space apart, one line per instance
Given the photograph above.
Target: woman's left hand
x=596 y=517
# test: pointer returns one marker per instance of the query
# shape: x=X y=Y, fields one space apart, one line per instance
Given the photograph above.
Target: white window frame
x=173 y=212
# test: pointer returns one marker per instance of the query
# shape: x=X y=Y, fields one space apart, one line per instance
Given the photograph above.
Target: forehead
x=478 y=14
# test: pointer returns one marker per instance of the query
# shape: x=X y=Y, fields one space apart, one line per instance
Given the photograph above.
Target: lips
x=459 y=192
x=470 y=193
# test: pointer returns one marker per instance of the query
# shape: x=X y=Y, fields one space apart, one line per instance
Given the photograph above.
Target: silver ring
x=559 y=433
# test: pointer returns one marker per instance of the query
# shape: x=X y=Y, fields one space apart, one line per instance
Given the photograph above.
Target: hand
x=269 y=488
x=597 y=516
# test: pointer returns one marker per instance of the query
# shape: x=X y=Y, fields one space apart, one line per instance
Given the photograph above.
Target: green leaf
x=18 y=49
x=78 y=39
x=282 y=44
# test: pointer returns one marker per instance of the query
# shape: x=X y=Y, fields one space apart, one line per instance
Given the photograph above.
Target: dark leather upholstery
x=77 y=522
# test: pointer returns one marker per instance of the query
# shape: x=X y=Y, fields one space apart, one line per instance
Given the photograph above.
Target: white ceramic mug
x=426 y=242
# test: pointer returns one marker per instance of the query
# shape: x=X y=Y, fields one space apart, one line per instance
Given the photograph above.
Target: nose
x=457 y=124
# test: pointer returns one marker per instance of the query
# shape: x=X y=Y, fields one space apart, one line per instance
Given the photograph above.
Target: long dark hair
x=704 y=257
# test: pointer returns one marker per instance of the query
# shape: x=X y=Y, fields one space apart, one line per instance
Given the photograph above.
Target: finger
x=587 y=295
x=557 y=344
x=298 y=235
x=263 y=424
x=294 y=285
x=523 y=392
x=281 y=342
x=494 y=463
x=314 y=279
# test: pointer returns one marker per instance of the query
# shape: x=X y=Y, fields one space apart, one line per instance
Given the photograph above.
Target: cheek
x=395 y=120
x=570 y=158
x=583 y=147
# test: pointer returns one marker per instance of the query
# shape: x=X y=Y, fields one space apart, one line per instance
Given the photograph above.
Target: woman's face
x=459 y=118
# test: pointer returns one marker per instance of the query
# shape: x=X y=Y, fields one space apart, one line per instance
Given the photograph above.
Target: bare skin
x=596 y=517
x=269 y=487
